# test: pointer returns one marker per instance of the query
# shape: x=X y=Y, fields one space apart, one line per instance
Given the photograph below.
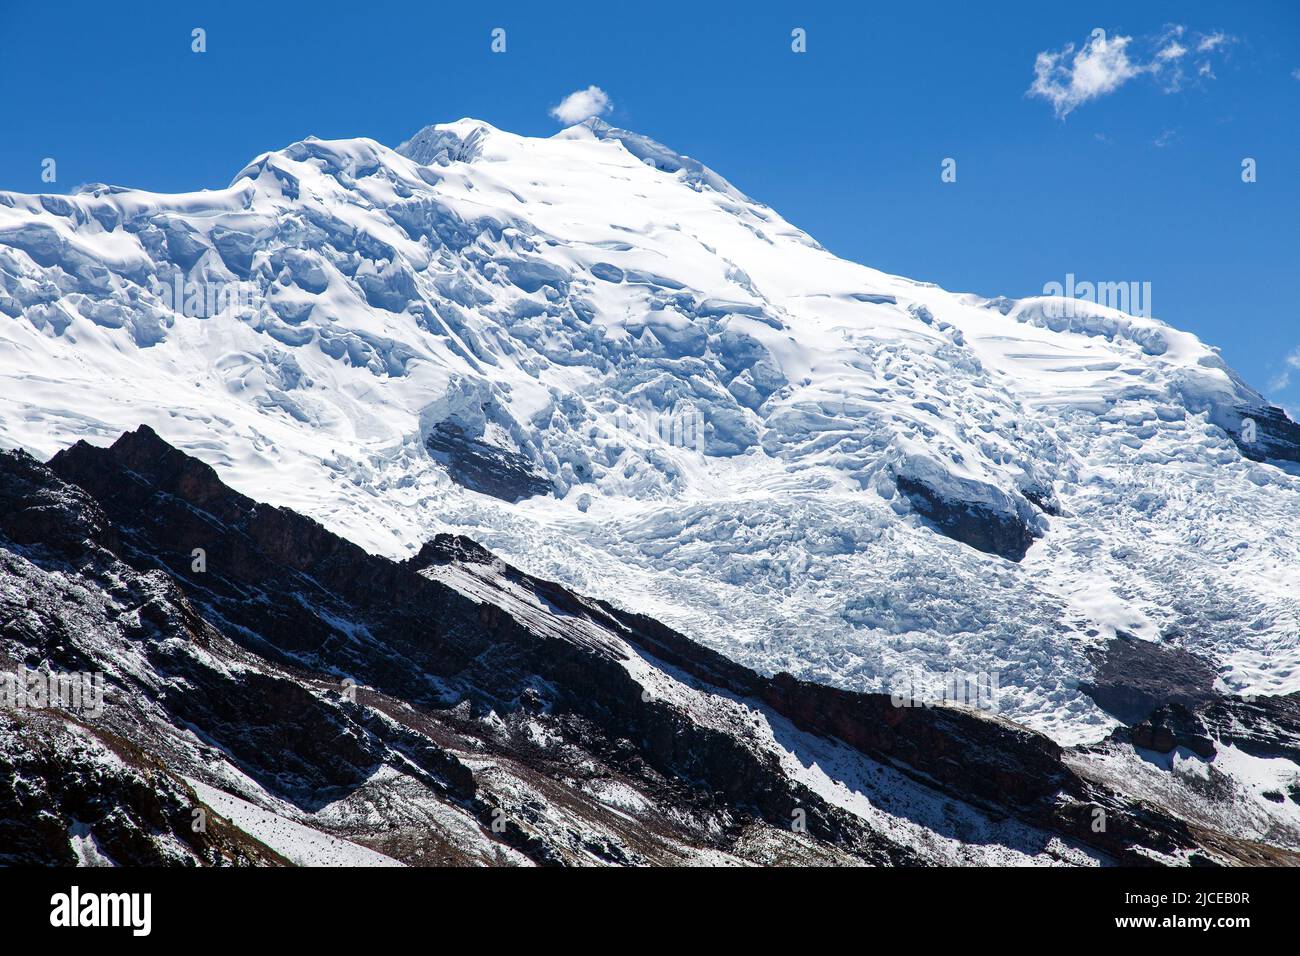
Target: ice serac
x=618 y=371
x=319 y=704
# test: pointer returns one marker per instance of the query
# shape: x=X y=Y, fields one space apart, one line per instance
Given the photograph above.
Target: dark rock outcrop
x=1265 y=433
x=1265 y=727
x=1170 y=726
x=984 y=529
x=1135 y=677
x=482 y=467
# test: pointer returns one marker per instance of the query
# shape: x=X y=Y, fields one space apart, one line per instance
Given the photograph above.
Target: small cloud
x=1289 y=364
x=582 y=104
x=1167 y=65
x=1295 y=74
x=1166 y=137
x=1212 y=41
x=1068 y=79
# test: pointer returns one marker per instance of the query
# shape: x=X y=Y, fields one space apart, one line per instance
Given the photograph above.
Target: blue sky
x=1125 y=167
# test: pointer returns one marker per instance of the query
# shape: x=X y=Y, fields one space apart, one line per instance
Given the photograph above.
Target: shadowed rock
x=982 y=528
x=484 y=468
x=1135 y=677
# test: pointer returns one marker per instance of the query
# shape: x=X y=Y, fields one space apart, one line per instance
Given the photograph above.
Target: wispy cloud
x=1290 y=365
x=1207 y=45
x=582 y=104
x=1212 y=41
x=1071 y=76
x=1173 y=50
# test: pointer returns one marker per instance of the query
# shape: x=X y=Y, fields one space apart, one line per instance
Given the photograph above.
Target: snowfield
x=781 y=453
x=301 y=845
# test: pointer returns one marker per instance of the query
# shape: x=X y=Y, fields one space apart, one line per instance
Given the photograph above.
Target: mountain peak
x=592 y=354
x=443 y=143
x=654 y=154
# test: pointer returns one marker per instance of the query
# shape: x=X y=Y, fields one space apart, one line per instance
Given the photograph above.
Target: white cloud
x=582 y=104
x=1067 y=79
x=1289 y=364
x=1295 y=74
x=1211 y=41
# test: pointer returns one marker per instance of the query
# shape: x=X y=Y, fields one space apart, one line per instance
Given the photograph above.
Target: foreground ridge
x=281 y=684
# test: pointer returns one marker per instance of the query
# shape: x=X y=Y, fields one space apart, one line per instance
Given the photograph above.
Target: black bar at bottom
x=337 y=906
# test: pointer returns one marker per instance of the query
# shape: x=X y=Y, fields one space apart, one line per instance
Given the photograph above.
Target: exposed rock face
x=60 y=786
x=1136 y=677
x=452 y=709
x=988 y=759
x=1170 y=726
x=1275 y=436
x=970 y=523
x=1262 y=727
x=484 y=468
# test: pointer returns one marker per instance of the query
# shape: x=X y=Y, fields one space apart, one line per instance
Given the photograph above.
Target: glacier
x=606 y=363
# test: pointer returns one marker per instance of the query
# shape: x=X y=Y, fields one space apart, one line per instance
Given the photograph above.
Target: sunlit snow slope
x=884 y=475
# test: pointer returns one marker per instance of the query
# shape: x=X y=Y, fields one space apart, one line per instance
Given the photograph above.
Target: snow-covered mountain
x=603 y=361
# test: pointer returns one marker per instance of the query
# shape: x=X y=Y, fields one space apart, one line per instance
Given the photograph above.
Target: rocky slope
x=275 y=694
